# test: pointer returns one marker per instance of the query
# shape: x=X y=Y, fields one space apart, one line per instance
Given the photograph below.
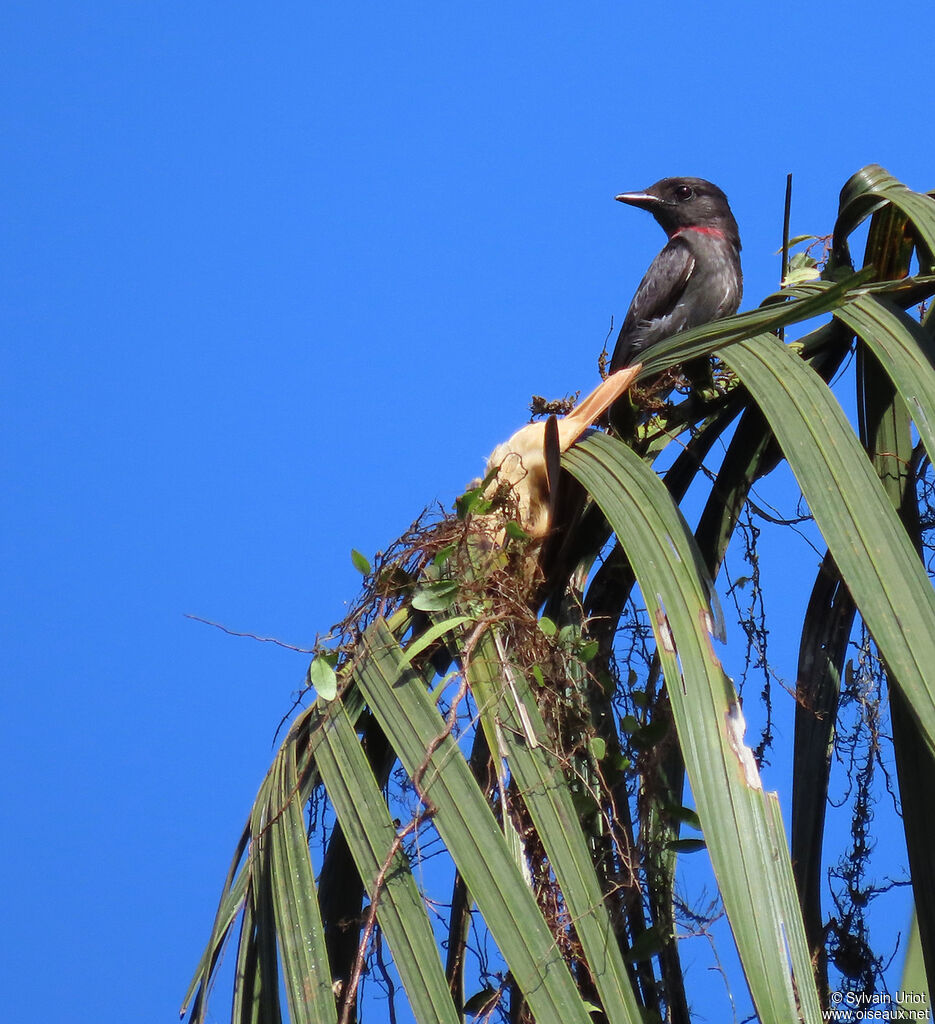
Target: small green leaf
x=800 y=275
x=432 y=634
x=587 y=650
x=606 y=681
x=435 y=597
x=647 y=944
x=446 y=552
x=598 y=747
x=685 y=845
x=798 y=240
x=473 y=500
x=802 y=259
x=323 y=677
x=649 y=735
x=639 y=698
x=515 y=531
x=481 y=1000
x=685 y=815
x=465 y=503
x=547 y=626
x=630 y=724
x=360 y=562
x=538 y=675
x=568 y=634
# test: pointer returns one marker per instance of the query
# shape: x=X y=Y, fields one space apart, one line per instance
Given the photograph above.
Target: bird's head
x=682 y=204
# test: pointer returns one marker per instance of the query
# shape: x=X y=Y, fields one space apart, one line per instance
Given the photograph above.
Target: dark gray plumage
x=695 y=278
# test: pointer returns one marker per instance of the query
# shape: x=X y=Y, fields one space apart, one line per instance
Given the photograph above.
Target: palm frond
x=561 y=827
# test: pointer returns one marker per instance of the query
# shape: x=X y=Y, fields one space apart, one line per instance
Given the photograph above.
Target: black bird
x=695 y=278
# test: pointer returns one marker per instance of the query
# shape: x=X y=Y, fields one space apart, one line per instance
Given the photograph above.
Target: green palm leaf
x=563 y=827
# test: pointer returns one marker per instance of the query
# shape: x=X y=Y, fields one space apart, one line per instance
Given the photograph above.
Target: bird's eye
x=683 y=192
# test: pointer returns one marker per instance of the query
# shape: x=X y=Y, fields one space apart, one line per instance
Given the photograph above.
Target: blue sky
x=276 y=277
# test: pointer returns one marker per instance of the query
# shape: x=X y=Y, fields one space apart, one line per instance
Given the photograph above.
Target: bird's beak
x=644 y=199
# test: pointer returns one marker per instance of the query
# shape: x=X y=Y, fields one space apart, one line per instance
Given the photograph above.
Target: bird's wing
x=656 y=296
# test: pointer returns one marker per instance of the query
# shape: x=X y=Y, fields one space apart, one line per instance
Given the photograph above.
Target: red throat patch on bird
x=713 y=232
